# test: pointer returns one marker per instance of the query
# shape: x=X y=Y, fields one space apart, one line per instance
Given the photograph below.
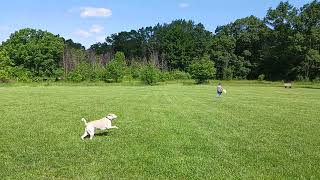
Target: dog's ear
x=109 y=116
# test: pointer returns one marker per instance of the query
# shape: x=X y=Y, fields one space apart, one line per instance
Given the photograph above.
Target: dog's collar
x=108 y=118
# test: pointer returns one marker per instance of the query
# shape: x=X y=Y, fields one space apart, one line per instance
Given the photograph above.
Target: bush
x=98 y=73
x=75 y=77
x=302 y=78
x=58 y=74
x=134 y=71
x=149 y=74
x=316 y=80
x=165 y=76
x=173 y=75
x=261 y=77
x=116 y=67
x=5 y=66
x=82 y=72
x=180 y=75
x=21 y=74
x=202 y=70
x=4 y=76
x=86 y=71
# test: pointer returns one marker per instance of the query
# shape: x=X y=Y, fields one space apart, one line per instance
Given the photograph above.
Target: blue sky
x=90 y=21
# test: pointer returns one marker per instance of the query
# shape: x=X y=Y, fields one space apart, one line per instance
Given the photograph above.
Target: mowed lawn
x=165 y=132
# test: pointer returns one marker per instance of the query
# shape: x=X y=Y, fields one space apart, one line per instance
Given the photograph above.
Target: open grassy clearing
x=168 y=131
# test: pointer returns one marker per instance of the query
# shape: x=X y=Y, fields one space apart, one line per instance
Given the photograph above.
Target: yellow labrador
x=103 y=124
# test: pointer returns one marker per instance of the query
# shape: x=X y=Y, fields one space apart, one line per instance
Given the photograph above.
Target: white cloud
x=83 y=34
x=184 y=5
x=96 y=28
x=95 y=12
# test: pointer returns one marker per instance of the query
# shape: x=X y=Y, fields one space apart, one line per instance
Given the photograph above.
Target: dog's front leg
x=112 y=127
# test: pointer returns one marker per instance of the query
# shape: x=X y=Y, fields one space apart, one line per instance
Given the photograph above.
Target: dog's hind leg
x=91 y=132
x=91 y=136
x=84 y=134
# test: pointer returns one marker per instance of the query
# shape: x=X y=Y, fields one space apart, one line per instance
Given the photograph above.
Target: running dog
x=103 y=124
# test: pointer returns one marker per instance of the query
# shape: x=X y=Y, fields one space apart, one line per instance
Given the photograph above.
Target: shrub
x=261 y=77
x=58 y=74
x=134 y=71
x=81 y=72
x=21 y=74
x=86 y=71
x=316 y=80
x=302 y=78
x=98 y=72
x=202 y=70
x=165 y=76
x=36 y=79
x=180 y=75
x=116 y=67
x=75 y=77
x=149 y=74
x=5 y=66
x=4 y=76
x=173 y=75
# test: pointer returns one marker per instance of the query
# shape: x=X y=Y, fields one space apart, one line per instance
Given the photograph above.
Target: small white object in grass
x=225 y=91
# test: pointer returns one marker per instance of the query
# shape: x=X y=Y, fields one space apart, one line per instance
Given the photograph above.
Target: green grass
x=170 y=131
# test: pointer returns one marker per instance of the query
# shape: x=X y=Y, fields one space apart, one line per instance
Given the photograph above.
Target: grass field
x=165 y=132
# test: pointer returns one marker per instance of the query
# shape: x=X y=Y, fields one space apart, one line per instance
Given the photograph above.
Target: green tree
x=130 y=43
x=116 y=67
x=5 y=60
x=228 y=64
x=309 y=41
x=101 y=48
x=69 y=43
x=202 y=70
x=38 y=51
x=249 y=35
x=5 y=66
x=281 y=54
x=182 y=41
x=310 y=67
x=81 y=72
x=73 y=55
x=149 y=74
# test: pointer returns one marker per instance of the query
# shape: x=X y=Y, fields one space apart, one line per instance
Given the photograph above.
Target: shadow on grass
x=103 y=133
x=99 y=134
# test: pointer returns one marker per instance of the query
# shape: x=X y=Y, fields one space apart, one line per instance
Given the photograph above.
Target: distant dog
x=103 y=124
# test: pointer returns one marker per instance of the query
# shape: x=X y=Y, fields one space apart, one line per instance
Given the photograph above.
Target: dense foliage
x=284 y=45
x=116 y=67
x=87 y=72
x=202 y=70
x=37 y=51
x=150 y=74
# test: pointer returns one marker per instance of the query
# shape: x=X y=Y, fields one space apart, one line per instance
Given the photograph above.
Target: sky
x=91 y=21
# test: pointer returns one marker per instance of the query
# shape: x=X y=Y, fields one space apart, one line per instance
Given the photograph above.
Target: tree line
x=284 y=45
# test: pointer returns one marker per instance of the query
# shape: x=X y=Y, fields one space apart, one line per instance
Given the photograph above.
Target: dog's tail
x=84 y=120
